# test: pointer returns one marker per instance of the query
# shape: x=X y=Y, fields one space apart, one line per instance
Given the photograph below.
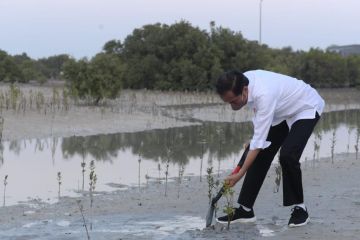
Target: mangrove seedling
x=1 y=127
x=147 y=177
x=210 y=181
x=181 y=174
x=166 y=174
x=348 y=144
x=333 y=142
x=5 y=183
x=59 y=182
x=202 y=142
x=83 y=165
x=139 y=180
x=316 y=148
x=93 y=179
x=229 y=208
x=357 y=142
x=65 y=100
x=39 y=101
x=159 y=169
x=81 y=208
x=14 y=95
x=277 y=178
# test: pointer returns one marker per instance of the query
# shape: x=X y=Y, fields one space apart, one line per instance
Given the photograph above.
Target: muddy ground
x=332 y=190
x=133 y=111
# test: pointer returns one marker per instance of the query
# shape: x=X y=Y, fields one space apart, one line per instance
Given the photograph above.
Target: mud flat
x=133 y=111
x=332 y=195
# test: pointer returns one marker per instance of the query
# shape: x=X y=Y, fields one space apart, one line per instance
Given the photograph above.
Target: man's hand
x=233 y=179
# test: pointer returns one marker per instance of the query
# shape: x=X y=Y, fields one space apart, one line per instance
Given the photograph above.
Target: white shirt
x=274 y=98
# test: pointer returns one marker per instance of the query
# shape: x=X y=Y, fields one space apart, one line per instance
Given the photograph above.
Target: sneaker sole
x=292 y=225
x=241 y=220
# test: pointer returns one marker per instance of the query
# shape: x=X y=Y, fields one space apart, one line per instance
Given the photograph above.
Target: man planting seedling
x=286 y=111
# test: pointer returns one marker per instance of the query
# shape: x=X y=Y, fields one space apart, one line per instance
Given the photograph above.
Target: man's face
x=236 y=102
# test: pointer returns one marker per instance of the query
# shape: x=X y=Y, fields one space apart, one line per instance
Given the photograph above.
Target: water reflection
x=32 y=165
x=221 y=140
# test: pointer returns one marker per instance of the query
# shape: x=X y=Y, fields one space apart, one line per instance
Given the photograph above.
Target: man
x=286 y=111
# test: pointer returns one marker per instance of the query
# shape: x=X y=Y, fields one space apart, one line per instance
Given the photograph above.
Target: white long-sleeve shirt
x=274 y=98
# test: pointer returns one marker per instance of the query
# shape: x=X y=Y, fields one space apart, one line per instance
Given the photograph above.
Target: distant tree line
x=179 y=57
x=21 y=68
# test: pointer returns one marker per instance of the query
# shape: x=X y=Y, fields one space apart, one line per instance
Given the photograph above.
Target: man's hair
x=232 y=80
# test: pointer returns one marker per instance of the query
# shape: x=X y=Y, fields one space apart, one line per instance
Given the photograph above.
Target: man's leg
x=255 y=175
x=290 y=154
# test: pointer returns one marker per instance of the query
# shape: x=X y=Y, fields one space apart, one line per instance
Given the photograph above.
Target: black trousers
x=292 y=142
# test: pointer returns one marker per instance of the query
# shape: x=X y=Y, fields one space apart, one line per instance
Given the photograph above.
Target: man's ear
x=246 y=89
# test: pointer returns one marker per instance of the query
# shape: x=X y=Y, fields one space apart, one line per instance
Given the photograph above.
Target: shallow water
x=32 y=165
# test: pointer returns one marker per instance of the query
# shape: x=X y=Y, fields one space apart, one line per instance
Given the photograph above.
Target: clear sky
x=80 y=28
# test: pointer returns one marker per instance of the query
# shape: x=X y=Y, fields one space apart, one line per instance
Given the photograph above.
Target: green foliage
x=113 y=47
x=14 y=95
x=96 y=79
x=52 y=67
x=353 y=67
x=229 y=208
x=211 y=182
x=29 y=68
x=324 y=69
x=9 y=70
x=178 y=57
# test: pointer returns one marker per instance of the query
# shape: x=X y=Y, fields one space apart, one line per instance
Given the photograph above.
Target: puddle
x=32 y=165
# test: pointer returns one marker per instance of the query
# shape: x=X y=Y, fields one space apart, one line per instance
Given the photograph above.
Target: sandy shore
x=332 y=198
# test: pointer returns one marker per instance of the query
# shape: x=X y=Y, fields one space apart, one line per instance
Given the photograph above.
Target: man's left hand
x=233 y=179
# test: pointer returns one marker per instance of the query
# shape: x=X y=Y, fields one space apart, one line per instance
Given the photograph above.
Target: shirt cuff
x=259 y=144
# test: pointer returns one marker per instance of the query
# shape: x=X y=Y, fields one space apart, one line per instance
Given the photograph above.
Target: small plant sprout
x=81 y=208
x=14 y=95
x=333 y=143
x=59 y=182
x=202 y=142
x=167 y=170
x=93 y=179
x=39 y=101
x=166 y=176
x=65 y=100
x=83 y=165
x=147 y=178
x=316 y=147
x=357 y=142
x=159 y=169
x=1 y=127
x=139 y=180
x=277 y=178
x=181 y=174
x=210 y=181
x=221 y=137
x=5 y=183
x=229 y=208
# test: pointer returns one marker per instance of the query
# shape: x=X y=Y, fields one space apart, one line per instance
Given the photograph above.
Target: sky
x=43 y=28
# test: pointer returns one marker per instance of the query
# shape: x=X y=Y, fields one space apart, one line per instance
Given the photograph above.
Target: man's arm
x=233 y=179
